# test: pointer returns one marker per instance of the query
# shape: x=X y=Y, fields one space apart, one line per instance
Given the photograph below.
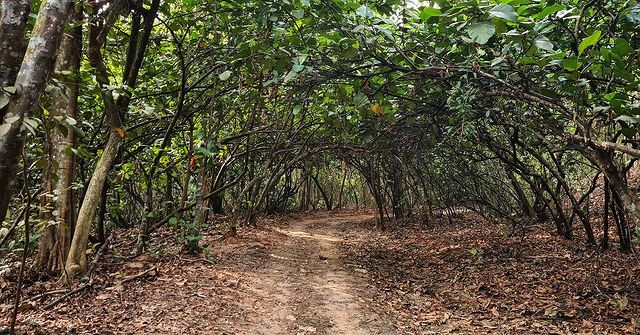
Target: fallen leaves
x=423 y=279
x=466 y=277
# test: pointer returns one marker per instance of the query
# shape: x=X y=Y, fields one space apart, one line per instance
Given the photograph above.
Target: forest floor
x=332 y=273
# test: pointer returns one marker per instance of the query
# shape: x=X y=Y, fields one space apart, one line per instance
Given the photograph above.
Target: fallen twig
x=139 y=275
x=89 y=282
x=70 y=293
x=46 y=294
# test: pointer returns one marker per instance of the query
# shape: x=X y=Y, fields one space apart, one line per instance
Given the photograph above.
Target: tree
x=31 y=79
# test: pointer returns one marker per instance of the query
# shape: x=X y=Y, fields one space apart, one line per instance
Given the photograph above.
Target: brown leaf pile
x=471 y=277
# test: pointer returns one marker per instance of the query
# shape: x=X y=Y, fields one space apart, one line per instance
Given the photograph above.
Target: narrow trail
x=306 y=287
x=283 y=278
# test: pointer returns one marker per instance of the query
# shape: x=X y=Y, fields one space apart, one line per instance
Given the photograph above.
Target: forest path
x=331 y=273
x=307 y=289
x=284 y=277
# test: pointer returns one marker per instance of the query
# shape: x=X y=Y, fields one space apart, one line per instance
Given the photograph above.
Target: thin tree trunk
x=342 y=181
x=56 y=239
x=13 y=22
x=77 y=261
x=325 y=196
x=30 y=83
x=190 y=165
x=522 y=198
x=604 y=244
x=605 y=163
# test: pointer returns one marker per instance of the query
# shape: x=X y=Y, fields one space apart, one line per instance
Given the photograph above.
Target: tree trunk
x=342 y=181
x=148 y=210
x=77 y=260
x=522 y=198
x=56 y=239
x=190 y=164
x=325 y=196
x=13 y=22
x=30 y=83
x=604 y=244
x=217 y=200
x=605 y=163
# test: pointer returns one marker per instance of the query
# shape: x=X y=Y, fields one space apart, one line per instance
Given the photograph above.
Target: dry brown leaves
x=468 y=277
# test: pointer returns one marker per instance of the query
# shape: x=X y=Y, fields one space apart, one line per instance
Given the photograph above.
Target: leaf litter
x=333 y=273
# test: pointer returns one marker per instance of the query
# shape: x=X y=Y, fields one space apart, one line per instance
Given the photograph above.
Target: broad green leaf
x=504 y=11
x=364 y=11
x=290 y=76
x=481 y=32
x=621 y=47
x=549 y=10
x=427 y=12
x=571 y=64
x=628 y=119
x=542 y=42
x=360 y=100
x=225 y=75
x=297 y=13
x=589 y=41
x=634 y=14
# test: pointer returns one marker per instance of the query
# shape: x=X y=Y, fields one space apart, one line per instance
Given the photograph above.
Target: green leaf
x=589 y=41
x=634 y=14
x=360 y=100
x=504 y=11
x=549 y=10
x=628 y=119
x=571 y=64
x=621 y=47
x=297 y=13
x=364 y=11
x=427 y=12
x=290 y=76
x=481 y=32
x=542 y=42
x=225 y=75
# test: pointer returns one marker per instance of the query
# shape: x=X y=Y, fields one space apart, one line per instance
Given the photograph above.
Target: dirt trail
x=307 y=289
x=283 y=278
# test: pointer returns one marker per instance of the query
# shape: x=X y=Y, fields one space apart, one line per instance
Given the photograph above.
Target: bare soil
x=285 y=278
x=333 y=273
